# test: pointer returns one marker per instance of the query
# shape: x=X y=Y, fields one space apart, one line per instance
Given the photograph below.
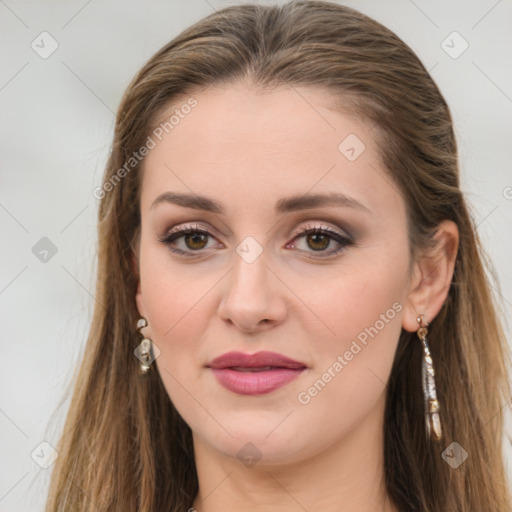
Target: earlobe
x=432 y=277
x=416 y=300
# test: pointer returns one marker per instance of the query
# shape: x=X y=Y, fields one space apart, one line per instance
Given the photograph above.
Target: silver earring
x=432 y=418
x=144 y=349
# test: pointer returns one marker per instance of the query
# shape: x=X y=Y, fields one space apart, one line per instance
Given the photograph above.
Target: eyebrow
x=284 y=205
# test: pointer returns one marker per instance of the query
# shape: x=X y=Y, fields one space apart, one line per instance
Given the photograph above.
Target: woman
x=292 y=309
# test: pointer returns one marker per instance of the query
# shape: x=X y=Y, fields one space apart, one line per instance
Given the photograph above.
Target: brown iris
x=192 y=239
x=320 y=241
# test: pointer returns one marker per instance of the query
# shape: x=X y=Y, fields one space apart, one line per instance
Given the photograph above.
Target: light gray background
x=57 y=116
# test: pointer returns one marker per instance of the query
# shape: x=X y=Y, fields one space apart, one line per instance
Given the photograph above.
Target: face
x=321 y=283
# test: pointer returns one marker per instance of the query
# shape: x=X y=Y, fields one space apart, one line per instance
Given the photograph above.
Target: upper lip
x=258 y=360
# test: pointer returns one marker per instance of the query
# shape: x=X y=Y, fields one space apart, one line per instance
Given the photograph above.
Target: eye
x=195 y=239
x=318 y=239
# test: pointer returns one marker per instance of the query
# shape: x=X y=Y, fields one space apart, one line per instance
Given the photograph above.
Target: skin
x=246 y=150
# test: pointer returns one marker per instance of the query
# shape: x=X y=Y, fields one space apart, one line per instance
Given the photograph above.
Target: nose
x=254 y=298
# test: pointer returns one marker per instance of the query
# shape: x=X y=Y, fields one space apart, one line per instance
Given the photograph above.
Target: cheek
x=175 y=304
x=356 y=299
x=179 y=309
x=361 y=313
x=173 y=294
x=353 y=364
x=369 y=309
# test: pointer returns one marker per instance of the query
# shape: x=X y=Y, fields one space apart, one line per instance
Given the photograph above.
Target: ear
x=138 y=300
x=432 y=276
x=136 y=272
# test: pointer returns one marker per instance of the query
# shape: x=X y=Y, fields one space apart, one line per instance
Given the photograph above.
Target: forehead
x=246 y=146
x=289 y=121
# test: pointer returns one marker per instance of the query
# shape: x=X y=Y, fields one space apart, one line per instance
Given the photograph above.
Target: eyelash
x=176 y=233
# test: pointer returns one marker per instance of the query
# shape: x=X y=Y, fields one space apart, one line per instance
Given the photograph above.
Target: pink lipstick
x=255 y=374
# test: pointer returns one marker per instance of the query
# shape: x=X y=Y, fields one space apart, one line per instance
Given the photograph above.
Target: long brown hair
x=124 y=445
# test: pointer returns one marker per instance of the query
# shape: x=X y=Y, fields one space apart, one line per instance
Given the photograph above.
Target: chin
x=254 y=437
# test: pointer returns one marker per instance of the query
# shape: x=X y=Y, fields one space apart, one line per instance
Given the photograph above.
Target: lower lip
x=255 y=383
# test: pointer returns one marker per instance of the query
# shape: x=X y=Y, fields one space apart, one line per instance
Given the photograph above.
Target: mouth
x=255 y=374
x=259 y=369
x=260 y=361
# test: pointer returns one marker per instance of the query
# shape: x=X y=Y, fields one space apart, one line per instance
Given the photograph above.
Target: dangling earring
x=432 y=418
x=143 y=351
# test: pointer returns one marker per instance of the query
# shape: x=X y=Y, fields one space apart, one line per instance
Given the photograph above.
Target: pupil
x=196 y=238
x=315 y=237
